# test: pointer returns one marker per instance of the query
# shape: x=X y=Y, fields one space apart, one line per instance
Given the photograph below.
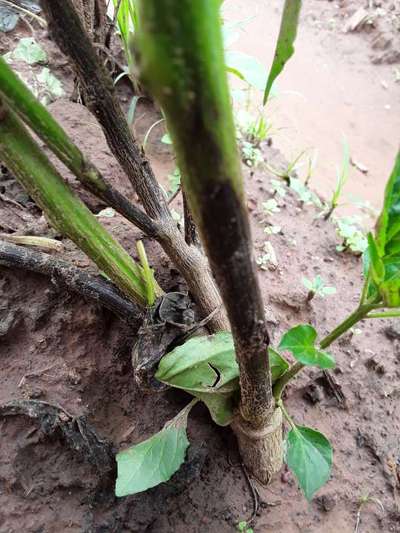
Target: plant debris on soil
x=69 y=400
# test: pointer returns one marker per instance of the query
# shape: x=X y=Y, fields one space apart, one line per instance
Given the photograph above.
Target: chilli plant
x=234 y=371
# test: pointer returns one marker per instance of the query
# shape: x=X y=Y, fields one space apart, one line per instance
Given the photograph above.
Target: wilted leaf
x=154 y=460
x=309 y=455
x=8 y=18
x=300 y=341
x=285 y=44
x=30 y=51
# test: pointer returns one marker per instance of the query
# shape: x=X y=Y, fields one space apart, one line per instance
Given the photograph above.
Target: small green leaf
x=154 y=460
x=300 y=341
x=309 y=455
x=277 y=363
x=30 y=51
x=285 y=44
x=174 y=181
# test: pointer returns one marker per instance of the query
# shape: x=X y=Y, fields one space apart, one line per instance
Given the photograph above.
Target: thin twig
x=95 y=288
x=172 y=198
x=113 y=24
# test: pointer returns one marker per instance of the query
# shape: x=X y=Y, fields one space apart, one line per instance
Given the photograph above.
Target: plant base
x=262 y=449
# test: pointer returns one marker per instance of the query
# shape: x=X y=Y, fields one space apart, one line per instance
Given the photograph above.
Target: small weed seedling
x=272 y=230
x=268 y=260
x=342 y=177
x=278 y=187
x=316 y=287
x=251 y=155
x=290 y=170
x=353 y=239
x=270 y=207
x=306 y=195
x=243 y=527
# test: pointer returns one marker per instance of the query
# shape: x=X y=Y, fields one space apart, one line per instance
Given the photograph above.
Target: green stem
x=20 y=99
x=147 y=273
x=23 y=156
x=359 y=314
x=279 y=404
x=280 y=385
x=385 y=314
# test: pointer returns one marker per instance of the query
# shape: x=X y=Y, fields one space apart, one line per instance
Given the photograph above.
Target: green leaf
x=246 y=68
x=309 y=455
x=154 y=460
x=30 y=51
x=390 y=287
x=376 y=263
x=388 y=230
x=277 y=363
x=206 y=368
x=193 y=365
x=285 y=44
x=300 y=341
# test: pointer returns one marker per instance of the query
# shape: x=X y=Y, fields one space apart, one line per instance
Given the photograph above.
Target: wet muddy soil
x=57 y=348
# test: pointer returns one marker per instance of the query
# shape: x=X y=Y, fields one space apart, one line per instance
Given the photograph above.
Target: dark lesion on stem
x=227 y=236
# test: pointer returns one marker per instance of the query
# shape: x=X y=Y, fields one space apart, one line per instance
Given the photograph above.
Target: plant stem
x=33 y=113
x=280 y=385
x=68 y=32
x=279 y=403
x=359 y=314
x=67 y=213
x=182 y=65
x=384 y=314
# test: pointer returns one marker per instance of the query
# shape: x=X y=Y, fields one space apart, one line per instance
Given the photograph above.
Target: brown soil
x=57 y=348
